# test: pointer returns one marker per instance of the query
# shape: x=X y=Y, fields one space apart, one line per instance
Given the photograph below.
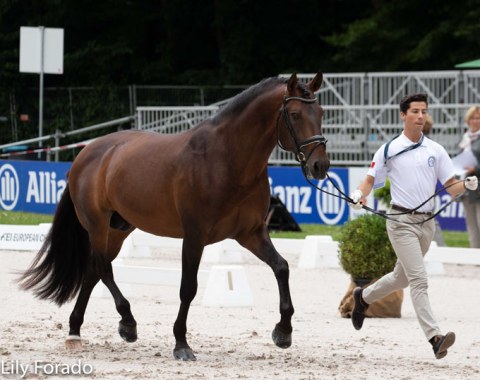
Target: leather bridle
x=318 y=140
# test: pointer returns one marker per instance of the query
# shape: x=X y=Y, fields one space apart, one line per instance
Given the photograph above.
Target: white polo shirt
x=413 y=174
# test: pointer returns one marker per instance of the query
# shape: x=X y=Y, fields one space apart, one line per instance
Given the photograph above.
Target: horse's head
x=300 y=126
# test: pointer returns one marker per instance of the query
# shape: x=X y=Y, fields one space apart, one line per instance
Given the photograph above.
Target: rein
x=388 y=216
x=318 y=140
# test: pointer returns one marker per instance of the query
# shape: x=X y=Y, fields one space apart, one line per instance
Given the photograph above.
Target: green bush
x=383 y=193
x=365 y=251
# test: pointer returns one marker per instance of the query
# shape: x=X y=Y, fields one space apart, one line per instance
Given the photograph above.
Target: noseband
x=299 y=145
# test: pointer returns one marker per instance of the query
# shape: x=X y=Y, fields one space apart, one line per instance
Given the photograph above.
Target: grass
x=452 y=238
x=23 y=218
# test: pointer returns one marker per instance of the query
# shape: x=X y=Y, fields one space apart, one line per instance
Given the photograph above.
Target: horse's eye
x=295 y=115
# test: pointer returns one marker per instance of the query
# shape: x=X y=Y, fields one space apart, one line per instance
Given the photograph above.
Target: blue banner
x=307 y=204
x=32 y=186
x=36 y=186
x=453 y=217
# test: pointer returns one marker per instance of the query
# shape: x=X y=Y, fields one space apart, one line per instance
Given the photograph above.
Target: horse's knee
x=281 y=269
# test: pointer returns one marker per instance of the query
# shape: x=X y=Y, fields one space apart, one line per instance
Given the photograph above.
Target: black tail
x=58 y=269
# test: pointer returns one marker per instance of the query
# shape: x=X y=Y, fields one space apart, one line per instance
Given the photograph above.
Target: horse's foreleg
x=282 y=333
x=191 y=254
x=76 y=317
x=262 y=247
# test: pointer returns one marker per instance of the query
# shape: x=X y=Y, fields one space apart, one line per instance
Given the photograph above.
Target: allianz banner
x=309 y=205
x=304 y=202
x=36 y=186
x=32 y=186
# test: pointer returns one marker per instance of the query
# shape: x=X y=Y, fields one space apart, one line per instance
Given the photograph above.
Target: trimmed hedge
x=365 y=251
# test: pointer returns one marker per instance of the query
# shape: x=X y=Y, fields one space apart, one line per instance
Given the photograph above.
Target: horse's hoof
x=73 y=342
x=280 y=338
x=128 y=332
x=185 y=354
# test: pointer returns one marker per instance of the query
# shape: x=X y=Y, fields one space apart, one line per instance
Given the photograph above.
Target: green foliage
x=364 y=248
x=383 y=193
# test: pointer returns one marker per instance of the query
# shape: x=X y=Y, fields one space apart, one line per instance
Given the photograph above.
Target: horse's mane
x=240 y=101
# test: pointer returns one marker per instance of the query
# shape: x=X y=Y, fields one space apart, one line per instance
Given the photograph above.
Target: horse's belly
x=158 y=220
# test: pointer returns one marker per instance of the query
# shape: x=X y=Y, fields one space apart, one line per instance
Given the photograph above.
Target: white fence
x=361 y=111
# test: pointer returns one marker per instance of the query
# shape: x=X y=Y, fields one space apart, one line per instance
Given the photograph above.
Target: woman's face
x=474 y=122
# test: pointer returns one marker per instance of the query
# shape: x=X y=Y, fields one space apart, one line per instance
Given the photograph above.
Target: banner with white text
x=36 y=186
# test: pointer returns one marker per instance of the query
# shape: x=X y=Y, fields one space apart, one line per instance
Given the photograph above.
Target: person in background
x=471 y=201
x=438 y=237
x=414 y=164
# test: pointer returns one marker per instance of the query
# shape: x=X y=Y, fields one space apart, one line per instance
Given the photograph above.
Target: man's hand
x=356 y=196
x=471 y=183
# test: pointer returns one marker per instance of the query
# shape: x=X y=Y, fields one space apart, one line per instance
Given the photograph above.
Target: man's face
x=416 y=115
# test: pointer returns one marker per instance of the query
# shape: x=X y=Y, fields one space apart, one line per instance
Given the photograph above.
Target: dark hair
x=406 y=100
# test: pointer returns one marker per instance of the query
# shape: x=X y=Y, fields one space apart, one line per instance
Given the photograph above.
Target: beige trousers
x=411 y=243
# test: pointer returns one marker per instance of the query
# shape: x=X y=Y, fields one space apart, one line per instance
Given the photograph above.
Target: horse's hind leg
x=101 y=268
x=77 y=316
x=260 y=244
x=127 y=327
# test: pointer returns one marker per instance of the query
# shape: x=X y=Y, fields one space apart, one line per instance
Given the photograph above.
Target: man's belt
x=411 y=212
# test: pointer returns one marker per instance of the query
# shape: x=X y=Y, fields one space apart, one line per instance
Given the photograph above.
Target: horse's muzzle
x=317 y=168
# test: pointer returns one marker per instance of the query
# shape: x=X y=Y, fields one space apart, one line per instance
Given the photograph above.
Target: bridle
x=318 y=140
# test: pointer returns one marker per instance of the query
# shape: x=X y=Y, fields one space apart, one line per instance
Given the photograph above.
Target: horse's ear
x=316 y=82
x=292 y=83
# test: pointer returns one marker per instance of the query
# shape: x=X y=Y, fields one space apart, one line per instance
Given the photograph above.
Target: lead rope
x=388 y=215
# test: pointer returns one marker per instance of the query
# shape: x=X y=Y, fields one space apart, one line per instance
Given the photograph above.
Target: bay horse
x=203 y=185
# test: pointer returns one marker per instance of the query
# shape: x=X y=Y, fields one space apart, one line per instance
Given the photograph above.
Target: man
x=413 y=164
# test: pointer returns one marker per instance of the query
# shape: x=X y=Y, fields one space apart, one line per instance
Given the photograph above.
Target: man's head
x=407 y=100
x=413 y=112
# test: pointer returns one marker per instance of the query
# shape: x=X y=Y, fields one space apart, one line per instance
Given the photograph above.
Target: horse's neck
x=254 y=132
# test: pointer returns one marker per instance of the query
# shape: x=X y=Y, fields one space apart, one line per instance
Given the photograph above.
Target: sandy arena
x=235 y=343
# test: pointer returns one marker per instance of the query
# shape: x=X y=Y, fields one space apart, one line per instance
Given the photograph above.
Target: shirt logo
x=431 y=161
x=372 y=164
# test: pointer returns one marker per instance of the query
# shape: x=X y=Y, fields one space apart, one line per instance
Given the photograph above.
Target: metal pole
x=40 y=106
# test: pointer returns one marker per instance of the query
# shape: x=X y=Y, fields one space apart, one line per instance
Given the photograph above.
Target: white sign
x=31 y=50
x=23 y=238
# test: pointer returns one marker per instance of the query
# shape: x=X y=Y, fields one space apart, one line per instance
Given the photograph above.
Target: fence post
x=58 y=135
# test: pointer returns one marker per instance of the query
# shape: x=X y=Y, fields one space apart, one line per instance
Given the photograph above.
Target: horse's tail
x=58 y=269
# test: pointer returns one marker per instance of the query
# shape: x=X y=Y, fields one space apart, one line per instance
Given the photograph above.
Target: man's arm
x=458 y=187
x=359 y=196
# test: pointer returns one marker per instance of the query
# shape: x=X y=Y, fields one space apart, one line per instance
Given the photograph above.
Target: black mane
x=240 y=101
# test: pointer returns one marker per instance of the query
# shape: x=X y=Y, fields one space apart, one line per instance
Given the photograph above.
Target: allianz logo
x=299 y=199
x=9 y=187
x=43 y=187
